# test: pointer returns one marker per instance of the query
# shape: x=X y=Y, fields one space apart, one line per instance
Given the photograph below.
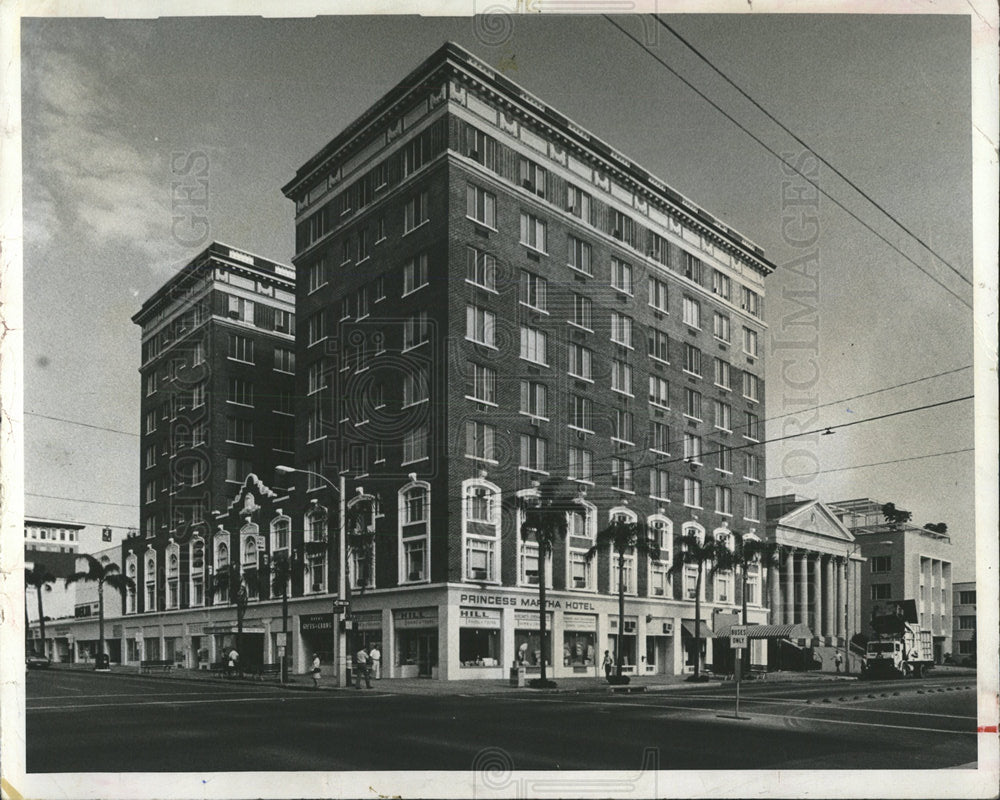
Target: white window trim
x=467 y=485
x=401 y=549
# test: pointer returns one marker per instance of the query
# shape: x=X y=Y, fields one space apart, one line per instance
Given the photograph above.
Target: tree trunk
x=239 y=637
x=745 y=653
x=541 y=607
x=41 y=618
x=621 y=612
x=697 y=623
x=100 y=617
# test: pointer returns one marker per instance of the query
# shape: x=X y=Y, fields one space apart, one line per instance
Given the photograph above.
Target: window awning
x=796 y=631
x=705 y=630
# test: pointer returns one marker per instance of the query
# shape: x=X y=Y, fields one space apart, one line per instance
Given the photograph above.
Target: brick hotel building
x=491 y=298
x=491 y=303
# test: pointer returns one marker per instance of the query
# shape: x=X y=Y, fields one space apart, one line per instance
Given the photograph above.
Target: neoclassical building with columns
x=817 y=582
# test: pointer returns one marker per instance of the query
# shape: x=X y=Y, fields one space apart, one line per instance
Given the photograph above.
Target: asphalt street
x=82 y=722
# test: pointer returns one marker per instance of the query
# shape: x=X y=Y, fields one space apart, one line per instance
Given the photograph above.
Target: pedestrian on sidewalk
x=608 y=664
x=316 y=672
x=376 y=657
x=361 y=663
x=233 y=660
x=838 y=662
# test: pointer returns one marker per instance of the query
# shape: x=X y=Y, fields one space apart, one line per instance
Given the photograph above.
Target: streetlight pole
x=341 y=638
x=847 y=608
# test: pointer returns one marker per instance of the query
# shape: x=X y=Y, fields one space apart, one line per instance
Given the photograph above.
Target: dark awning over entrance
x=687 y=626
x=797 y=631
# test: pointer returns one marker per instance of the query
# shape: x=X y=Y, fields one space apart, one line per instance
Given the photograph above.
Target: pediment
x=814 y=519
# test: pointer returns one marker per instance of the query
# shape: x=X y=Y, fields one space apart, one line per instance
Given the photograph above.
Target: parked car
x=35 y=661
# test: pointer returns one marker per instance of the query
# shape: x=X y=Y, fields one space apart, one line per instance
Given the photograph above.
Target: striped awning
x=797 y=631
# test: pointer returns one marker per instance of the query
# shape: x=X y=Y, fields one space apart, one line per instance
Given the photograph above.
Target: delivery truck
x=899 y=648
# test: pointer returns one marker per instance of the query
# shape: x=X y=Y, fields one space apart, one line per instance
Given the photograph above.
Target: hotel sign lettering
x=515 y=601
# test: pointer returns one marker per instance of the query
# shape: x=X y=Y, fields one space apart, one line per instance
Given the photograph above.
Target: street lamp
x=341 y=490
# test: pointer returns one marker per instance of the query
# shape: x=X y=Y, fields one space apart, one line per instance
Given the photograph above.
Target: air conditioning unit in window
x=479 y=574
x=280 y=328
x=414 y=576
x=579 y=583
x=616 y=233
x=528 y=185
x=474 y=154
x=571 y=209
x=234 y=314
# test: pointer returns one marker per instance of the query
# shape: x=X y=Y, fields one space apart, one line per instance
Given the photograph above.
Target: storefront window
x=628 y=650
x=479 y=647
x=579 y=648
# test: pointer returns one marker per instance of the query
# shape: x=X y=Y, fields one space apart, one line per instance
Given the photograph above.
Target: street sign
x=341 y=605
x=738 y=637
x=281 y=639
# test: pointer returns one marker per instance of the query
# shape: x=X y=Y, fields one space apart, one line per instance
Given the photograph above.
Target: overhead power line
x=781 y=125
x=81 y=424
x=81 y=500
x=787 y=163
x=873 y=464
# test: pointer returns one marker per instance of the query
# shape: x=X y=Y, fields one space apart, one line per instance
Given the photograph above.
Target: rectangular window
x=241 y=309
x=692 y=448
x=750 y=342
x=416 y=330
x=481 y=269
x=414 y=274
x=581 y=412
x=241 y=348
x=723 y=374
x=721 y=285
x=240 y=392
x=480 y=325
x=532 y=177
x=415 y=445
x=151 y=456
x=751 y=426
x=346 y=304
x=239 y=430
x=346 y=251
x=724 y=458
x=533 y=345
x=692 y=359
x=481 y=206
x=692 y=403
x=582 y=312
x=751 y=386
x=482 y=148
x=151 y=384
x=532 y=453
x=579 y=256
x=621 y=275
x=692 y=312
x=751 y=507
x=534 y=399
x=751 y=302
x=621 y=329
x=480 y=440
x=533 y=290
x=967 y=623
x=658 y=294
x=580 y=362
x=881 y=591
x=658 y=346
x=581 y=463
x=621 y=474
x=415 y=212
x=967 y=598
x=881 y=563
x=751 y=467
x=482 y=383
x=284 y=360
x=480 y=558
x=720 y=326
x=723 y=415
x=198 y=357
x=317 y=327
x=621 y=377
x=659 y=484
x=693 y=268
x=198 y=395
x=659 y=391
x=364 y=245
x=724 y=500
x=380 y=230
x=415 y=385
x=692 y=492
x=533 y=232
x=578 y=203
x=622 y=429
x=659 y=436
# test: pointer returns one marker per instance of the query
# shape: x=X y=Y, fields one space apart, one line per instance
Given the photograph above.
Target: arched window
x=196 y=572
x=414 y=531
x=315 y=557
x=149 y=564
x=250 y=551
x=691 y=570
x=661 y=529
x=281 y=532
x=480 y=531
x=581 y=533
x=131 y=570
x=625 y=570
x=723 y=587
x=528 y=558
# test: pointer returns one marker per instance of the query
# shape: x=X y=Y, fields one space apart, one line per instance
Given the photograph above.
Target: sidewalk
x=303 y=682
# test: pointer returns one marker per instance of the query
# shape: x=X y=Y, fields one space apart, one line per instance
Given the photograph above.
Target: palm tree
x=699 y=552
x=283 y=566
x=623 y=537
x=544 y=521
x=748 y=551
x=230 y=582
x=42 y=579
x=102 y=573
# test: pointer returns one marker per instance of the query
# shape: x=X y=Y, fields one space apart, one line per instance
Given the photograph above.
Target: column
x=830 y=599
x=789 y=573
x=774 y=583
x=803 y=603
x=817 y=594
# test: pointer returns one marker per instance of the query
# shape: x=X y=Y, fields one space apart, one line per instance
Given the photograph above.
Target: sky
x=111 y=108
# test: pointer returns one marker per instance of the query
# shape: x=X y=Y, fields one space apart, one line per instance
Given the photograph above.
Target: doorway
x=427 y=653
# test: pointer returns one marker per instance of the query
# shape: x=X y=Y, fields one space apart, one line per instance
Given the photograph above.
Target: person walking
x=376 y=656
x=838 y=662
x=608 y=664
x=234 y=659
x=361 y=662
x=316 y=671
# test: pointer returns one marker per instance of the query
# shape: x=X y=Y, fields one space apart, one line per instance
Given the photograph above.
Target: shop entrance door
x=427 y=654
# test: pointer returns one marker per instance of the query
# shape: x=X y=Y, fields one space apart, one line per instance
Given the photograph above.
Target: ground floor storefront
x=444 y=631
